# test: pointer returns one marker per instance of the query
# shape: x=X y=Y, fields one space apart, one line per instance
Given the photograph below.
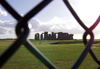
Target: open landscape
x=56 y=28
x=63 y=54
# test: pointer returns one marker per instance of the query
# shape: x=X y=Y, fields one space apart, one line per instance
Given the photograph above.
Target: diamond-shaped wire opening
x=84 y=28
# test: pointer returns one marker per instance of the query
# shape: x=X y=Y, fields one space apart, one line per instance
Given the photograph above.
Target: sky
x=55 y=17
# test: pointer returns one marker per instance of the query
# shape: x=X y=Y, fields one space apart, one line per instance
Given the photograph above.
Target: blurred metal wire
x=88 y=31
x=22 y=35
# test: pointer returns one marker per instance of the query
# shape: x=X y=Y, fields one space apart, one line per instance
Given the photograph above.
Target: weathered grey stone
x=54 y=36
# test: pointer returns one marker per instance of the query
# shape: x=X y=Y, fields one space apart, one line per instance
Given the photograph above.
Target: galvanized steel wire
x=22 y=31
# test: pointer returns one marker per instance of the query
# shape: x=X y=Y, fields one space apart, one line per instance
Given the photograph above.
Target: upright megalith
x=42 y=36
x=37 y=36
x=54 y=36
x=71 y=36
x=45 y=35
x=60 y=36
x=49 y=37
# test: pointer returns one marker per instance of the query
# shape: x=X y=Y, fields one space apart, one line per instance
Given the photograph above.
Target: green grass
x=63 y=56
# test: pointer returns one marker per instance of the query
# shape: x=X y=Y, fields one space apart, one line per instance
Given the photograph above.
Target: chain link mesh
x=22 y=35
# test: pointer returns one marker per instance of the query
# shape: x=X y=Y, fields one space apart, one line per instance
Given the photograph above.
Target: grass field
x=63 y=56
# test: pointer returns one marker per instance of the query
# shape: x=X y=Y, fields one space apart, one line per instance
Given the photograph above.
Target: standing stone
x=60 y=35
x=42 y=36
x=45 y=35
x=71 y=36
x=37 y=36
x=54 y=36
x=49 y=37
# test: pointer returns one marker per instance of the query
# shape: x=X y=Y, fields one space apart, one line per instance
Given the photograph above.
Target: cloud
x=56 y=24
x=3 y=13
x=7 y=27
x=34 y=22
x=44 y=28
x=3 y=30
x=6 y=23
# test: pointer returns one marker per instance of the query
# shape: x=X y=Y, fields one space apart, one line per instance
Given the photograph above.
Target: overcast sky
x=55 y=17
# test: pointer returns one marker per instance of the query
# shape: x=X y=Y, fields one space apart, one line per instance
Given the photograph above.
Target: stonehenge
x=53 y=36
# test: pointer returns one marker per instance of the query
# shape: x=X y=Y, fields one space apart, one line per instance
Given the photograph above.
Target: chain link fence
x=22 y=31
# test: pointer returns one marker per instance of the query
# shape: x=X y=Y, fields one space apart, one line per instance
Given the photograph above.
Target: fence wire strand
x=88 y=31
x=22 y=35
